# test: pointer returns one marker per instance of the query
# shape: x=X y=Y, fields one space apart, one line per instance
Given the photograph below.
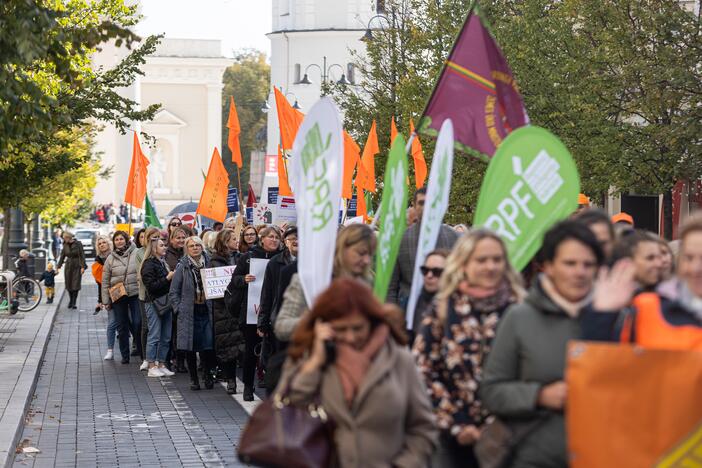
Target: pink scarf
x=352 y=365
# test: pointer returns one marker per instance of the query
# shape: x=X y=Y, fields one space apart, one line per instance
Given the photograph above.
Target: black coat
x=269 y=290
x=154 y=275
x=238 y=288
x=228 y=338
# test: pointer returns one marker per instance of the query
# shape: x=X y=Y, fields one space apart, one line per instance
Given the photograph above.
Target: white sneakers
x=158 y=371
x=109 y=356
x=144 y=365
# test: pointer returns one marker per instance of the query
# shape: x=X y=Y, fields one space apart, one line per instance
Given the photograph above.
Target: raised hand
x=614 y=287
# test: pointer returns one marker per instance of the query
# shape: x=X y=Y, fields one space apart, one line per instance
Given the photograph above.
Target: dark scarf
x=195 y=266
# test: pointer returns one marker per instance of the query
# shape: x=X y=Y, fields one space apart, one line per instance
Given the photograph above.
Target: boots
x=207 y=358
x=180 y=363
x=231 y=386
x=50 y=300
x=72 y=299
x=192 y=369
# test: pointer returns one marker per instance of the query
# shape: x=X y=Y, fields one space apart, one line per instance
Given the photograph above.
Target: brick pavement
x=89 y=412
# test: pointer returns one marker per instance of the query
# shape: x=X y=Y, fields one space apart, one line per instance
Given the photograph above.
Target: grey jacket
x=389 y=422
x=182 y=298
x=529 y=352
x=294 y=305
x=139 y=256
x=120 y=268
x=401 y=280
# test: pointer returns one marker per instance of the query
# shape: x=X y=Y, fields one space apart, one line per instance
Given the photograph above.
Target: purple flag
x=477 y=91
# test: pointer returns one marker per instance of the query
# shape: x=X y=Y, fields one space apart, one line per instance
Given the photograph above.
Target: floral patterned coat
x=451 y=353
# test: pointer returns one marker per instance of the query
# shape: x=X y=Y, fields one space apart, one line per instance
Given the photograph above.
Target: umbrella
x=187 y=207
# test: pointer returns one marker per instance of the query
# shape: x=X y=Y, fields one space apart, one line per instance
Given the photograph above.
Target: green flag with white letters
x=150 y=216
x=530 y=184
x=393 y=218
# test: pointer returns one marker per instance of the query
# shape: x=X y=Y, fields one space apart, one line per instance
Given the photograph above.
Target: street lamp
x=266 y=107
x=368 y=36
x=324 y=70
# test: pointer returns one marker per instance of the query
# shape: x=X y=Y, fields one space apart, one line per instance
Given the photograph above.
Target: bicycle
x=23 y=295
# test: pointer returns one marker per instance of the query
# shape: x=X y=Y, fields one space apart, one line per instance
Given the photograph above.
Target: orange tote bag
x=630 y=407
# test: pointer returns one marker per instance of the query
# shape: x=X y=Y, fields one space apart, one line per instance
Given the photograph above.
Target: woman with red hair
x=349 y=351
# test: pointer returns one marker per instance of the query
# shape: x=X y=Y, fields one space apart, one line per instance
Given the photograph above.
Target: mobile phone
x=330 y=352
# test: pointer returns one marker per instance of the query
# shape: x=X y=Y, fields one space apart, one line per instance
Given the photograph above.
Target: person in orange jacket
x=668 y=318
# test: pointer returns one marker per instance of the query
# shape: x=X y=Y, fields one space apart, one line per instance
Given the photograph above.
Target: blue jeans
x=158 y=341
x=124 y=309
x=112 y=326
x=135 y=325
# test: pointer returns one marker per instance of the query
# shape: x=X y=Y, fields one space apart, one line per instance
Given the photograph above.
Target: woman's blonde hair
x=454 y=271
x=150 y=249
x=107 y=240
x=350 y=236
x=209 y=239
x=196 y=240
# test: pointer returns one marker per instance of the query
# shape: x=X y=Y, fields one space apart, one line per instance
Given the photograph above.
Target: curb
x=22 y=399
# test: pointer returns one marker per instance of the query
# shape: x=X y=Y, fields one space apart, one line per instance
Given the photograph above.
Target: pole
x=129 y=222
x=241 y=194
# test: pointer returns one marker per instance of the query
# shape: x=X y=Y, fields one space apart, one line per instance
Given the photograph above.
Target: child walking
x=48 y=278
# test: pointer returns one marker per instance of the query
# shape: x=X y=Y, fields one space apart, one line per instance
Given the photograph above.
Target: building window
x=351 y=73
x=380 y=6
x=296 y=78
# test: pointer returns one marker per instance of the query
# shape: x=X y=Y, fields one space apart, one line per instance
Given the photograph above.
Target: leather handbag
x=499 y=441
x=118 y=291
x=162 y=305
x=280 y=434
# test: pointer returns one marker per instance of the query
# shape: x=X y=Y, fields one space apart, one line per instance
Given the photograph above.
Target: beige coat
x=120 y=269
x=390 y=422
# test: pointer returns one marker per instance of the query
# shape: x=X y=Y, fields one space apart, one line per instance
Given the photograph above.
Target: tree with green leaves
x=247 y=80
x=618 y=81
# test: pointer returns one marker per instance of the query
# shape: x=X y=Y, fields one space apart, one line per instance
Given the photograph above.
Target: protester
x=48 y=277
x=175 y=222
x=623 y=224
x=193 y=312
x=156 y=280
x=353 y=256
x=208 y=239
x=230 y=223
x=669 y=318
x=601 y=226
x=143 y=237
x=643 y=250
x=238 y=288
x=431 y=271
x=249 y=239
x=369 y=386
x=73 y=256
x=523 y=380
x=174 y=253
x=477 y=286
x=461 y=229
x=269 y=306
x=120 y=268
x=401 y=281
x=583 y=203
x=103 y=249
x=667 y=259
x=228 y=337
x=217 y=226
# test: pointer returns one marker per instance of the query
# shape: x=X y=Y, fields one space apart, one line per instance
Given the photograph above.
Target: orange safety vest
x=653 y=330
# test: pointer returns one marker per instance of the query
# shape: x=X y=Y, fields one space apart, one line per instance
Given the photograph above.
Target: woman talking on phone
x=349 y=352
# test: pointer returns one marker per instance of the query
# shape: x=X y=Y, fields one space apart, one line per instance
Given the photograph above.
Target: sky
x=237 y=23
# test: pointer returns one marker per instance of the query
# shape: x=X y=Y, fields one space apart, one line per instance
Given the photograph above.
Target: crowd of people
x=487 y=346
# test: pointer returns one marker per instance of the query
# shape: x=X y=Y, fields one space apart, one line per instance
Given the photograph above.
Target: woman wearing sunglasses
x=477 y=286
x=431 y=271
x=175 y=222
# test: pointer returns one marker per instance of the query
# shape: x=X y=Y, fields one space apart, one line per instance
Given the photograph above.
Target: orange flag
x=352 y=156
x=361 y=209
x=283 y=185
x=289 y=119
x=213 y=201
x=420 y=165
x=393 y=131
x=366 y=179
x=136 y=182
x=234 y=131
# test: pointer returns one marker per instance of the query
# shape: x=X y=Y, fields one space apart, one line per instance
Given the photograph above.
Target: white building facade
x=313 y=38
x=184 y=76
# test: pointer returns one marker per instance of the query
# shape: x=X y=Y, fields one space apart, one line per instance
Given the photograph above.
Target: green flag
x=530 y=184
x=150 y=216
x=392 y=217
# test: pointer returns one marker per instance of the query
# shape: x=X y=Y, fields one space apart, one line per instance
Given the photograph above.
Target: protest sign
x=216 y=280
x=249 y=215
x=285 y=211
x=257 y=267
x=272 y=195
x=263 y=213
x=434 y=209
x=530 y=184
x=352 y=209
x=316 y=167
x=394 y=220
x=233 y=200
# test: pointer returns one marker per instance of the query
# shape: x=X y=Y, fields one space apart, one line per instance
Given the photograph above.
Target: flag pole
x=241 y=194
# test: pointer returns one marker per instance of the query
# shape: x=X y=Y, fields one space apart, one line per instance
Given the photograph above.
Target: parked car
x=87 y=237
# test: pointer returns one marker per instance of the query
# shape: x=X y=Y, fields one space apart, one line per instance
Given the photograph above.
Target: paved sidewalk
x=22 y=346
x=89 y=412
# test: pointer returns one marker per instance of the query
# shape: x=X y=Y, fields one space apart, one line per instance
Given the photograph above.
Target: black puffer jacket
x=269 y=290
x=228 y=338
x=154 y=275
x=238 y=288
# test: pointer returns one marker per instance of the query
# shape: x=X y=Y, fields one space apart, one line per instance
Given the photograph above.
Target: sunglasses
x=175 y=224
x=436 y=272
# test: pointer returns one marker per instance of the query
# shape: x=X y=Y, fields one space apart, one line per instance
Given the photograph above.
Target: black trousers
x=251 y=340
x=208 y=363
x=72 y=298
